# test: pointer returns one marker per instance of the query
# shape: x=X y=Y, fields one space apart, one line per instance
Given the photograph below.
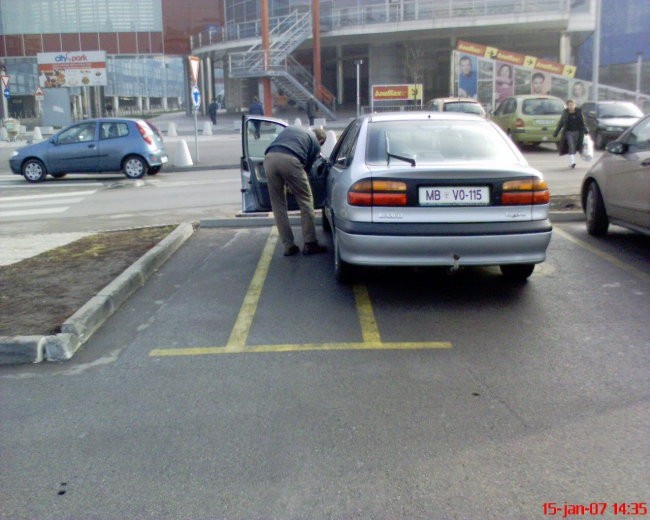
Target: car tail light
x=145 y=133
x=519 y=123
x=377 y=193
x=525 y=191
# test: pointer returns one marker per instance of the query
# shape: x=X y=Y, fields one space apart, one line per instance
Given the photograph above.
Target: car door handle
x=92 y=145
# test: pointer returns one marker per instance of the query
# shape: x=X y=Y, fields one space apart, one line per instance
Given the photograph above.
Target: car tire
x=34 y=170
x=134 y=167
x=517 y=272
x=58 y=175
x=599 y=141
x=342 y=270
x=154 y=170
x=595 y=213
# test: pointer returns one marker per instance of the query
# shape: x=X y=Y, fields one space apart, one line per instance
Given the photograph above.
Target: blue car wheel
x=34 y=170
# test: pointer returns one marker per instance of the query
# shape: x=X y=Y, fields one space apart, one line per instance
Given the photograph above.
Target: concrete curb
x=76 y=330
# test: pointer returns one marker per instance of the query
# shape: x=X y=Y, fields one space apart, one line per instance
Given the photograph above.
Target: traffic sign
x=39 y=94
x=194 y=68
x=5 y=80
x=196 y=96
x=7 y=93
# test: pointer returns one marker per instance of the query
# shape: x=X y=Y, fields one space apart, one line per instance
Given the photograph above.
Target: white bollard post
x=329 y=143
x=297 y=122
x=171 y=129
x=37 y=135
x=207 y=128
x=4 y=135
x=183 y=157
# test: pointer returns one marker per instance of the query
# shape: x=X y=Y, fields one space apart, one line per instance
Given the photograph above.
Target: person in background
x=256 y=109
x=212 y=111
x=573 y=128
x=312 y=110
x=286 y=163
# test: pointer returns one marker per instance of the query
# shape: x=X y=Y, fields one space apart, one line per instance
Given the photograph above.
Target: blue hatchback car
x=132 y=146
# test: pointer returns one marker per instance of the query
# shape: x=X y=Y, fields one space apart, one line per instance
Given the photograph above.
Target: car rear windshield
x=472 y=108
x=620 y=110
x=542 y=107
x=436 y=141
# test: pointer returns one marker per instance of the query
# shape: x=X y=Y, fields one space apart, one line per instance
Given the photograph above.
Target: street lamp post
x=358 y=64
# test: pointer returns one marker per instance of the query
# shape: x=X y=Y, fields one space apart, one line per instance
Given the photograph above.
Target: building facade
x=364 y=42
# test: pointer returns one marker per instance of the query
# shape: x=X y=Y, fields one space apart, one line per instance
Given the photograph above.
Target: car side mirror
x=616 y=147
x=53 y=140
x=591 y=113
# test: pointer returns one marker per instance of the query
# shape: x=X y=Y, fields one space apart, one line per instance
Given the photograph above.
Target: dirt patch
x=40 y=293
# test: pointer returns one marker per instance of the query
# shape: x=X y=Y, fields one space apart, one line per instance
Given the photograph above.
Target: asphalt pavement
x=200 y=141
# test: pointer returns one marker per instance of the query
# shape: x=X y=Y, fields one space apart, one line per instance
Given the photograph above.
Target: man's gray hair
x=320 y=134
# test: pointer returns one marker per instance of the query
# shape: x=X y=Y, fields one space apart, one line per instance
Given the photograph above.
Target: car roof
x=457 y=100
x=424 y=115
x=536 y=96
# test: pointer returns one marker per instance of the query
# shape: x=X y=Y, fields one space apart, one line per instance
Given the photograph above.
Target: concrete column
x=147 y=103
x=116 y=105
x=139 y=103
x=565 y=49
x=164 y=104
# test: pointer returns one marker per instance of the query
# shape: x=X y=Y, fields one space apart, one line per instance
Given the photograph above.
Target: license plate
x=544 y=122
x=455 y=196
x=163 y=159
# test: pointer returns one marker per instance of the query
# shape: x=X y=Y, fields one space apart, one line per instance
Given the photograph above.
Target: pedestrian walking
x=256 y=109
x=572 y=129
x=312 y=110
x=212 y=111
x=286 y=163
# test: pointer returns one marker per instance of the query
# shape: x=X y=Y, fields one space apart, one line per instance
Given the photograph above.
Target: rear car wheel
x=34 y=170
x=517 y=272
x=595 y=213
x=342 y=270
x=134 y=167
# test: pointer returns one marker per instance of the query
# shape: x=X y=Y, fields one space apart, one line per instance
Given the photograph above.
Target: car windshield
x=542 y=107
x=472 y=108
x=431 y=141
x=620 y=110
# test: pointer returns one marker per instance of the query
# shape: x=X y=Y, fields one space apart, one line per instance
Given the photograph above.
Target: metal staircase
x=280 y=66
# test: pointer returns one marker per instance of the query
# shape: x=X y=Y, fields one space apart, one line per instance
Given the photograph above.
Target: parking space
x=315 y=313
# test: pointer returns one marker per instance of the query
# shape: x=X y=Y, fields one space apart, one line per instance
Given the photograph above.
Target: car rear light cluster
x=145 y=133
x=377 y=193
x=525 y=191
x=519 y=123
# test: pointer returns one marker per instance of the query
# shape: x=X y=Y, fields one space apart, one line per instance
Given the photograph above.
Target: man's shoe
x=313 y=248
x=291 y=250
x=573 y=165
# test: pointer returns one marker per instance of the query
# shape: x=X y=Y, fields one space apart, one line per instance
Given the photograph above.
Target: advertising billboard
x=71 y=69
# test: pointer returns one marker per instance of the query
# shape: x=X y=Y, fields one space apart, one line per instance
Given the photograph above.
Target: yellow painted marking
x=605 y=256
x=242 y=326
x=204 y=351
x=369 y=330
x=237 y=341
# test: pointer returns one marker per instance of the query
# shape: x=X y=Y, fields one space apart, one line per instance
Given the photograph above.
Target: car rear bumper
x=460 y=244
x=526 y=135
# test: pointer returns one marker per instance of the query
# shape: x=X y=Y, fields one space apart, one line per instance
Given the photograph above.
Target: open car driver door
x=258 y=132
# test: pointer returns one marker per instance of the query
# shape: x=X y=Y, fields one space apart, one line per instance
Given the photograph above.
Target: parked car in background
x=104 y=145
x=606 y=120
x=420 y=189
x=456 y=104
x=529 y=119
x=616 y=189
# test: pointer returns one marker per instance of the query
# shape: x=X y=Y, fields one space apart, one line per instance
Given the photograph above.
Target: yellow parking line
x=301 y=347
x=369 y=330
x=242 y=326
x=605 y=256
x=239 y=334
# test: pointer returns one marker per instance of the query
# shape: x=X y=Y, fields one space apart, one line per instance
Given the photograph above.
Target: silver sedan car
x=418 y=189
x=616 y=189
x=434 y=189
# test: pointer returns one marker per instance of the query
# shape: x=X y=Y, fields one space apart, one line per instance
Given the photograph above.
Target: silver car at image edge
x=434 y=189
x=616 y=189
x=132 y=146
